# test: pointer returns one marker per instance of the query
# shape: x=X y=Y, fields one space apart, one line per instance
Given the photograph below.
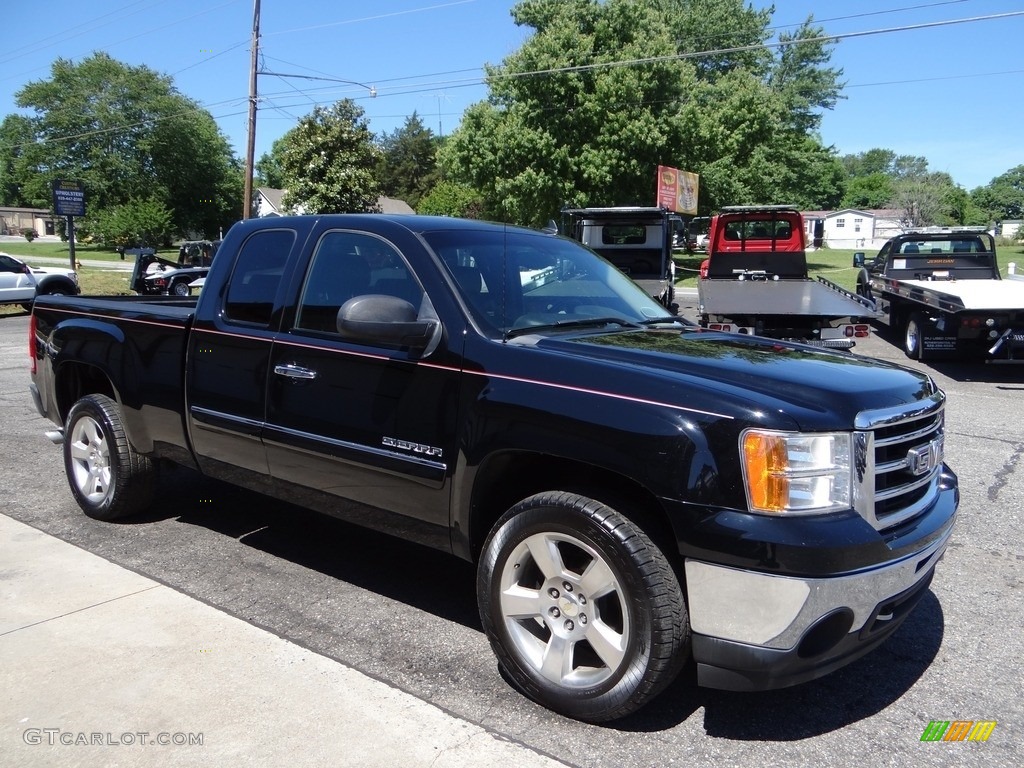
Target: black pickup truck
x=638 y=493
x=941 y=290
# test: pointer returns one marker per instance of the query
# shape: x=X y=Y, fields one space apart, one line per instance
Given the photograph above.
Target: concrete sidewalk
x=100 y=666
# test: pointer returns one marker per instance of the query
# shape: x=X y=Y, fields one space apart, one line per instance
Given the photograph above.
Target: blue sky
x=949 y=93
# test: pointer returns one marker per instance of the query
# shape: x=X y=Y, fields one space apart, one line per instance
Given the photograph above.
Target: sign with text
x=677 y=190
x=68 y=197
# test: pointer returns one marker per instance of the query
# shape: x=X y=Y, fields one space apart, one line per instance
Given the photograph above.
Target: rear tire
x=582 y=609
x=179 y=288
x=108 y=477
x=913 y=336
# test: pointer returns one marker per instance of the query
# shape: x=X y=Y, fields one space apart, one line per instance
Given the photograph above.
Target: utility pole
x=250 y=151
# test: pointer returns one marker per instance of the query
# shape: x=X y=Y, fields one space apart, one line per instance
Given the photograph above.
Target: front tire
x=583 y=611
x=864 y=285
x=108 y=477
x=180 y=288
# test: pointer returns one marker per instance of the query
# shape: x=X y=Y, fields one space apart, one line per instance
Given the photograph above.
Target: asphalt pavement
x=275 y=636
x=100 y=666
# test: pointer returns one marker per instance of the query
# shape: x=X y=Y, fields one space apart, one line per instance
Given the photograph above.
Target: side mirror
x=377 y=319
x=859 y=259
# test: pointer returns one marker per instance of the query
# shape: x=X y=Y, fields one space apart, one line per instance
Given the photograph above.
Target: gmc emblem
x=925 y=458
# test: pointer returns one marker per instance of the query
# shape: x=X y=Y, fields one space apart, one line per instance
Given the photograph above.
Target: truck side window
x=257 y=275
x=350 y=264
x=337 y=273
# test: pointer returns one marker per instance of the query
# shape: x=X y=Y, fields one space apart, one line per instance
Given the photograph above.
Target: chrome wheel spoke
x=598 y=580
x=557 y=662
x=520 y=603
x=545 y=554
x=609 y=645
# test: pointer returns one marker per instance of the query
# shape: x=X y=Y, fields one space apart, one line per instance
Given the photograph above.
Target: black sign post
x=69 y=201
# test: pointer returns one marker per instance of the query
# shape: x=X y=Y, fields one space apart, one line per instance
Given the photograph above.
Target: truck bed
x=968 y=294
x=731 y=298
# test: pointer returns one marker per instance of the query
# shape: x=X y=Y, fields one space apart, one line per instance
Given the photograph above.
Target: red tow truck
x=755 y=281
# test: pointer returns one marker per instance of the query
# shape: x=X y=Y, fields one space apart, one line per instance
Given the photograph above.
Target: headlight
x=794 y=473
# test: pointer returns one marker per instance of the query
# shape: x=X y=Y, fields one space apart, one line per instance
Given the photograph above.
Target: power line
x=471 y=82
x=369 y=18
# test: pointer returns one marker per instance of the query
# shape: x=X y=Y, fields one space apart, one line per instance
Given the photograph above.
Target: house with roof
x=268 y=202
x=852 y=227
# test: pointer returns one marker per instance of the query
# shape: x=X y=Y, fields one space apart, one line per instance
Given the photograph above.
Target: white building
x=852 y=228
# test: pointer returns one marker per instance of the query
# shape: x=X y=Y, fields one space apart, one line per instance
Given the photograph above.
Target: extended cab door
x=228 y=359
x=356 y=426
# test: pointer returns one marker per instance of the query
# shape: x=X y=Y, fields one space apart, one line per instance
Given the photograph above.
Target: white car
x=20 y=283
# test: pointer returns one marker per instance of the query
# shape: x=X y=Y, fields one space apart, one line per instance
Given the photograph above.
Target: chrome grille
x=898 y=458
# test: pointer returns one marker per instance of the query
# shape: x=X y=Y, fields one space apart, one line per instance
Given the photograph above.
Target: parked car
x=20 y=283
x=174 y=282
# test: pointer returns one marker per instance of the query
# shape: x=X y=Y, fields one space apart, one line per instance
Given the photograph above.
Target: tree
x=591 y=131
x=137 y=222
x=886 y=162
x=1003 y=197
x=329 y=161
x=450 y=199
x=269 y=171
x=128 y=134
x=15 y=135
x=801 y=79
x=868 y=192
x=926 y=200
x=408 y=165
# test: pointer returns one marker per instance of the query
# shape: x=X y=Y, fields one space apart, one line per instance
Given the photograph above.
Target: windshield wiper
x=670 y=319
x=581 y=322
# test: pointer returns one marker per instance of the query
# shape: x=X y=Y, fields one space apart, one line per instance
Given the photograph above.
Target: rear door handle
x=293 y=371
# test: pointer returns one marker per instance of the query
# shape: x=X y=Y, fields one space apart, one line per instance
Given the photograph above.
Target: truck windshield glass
x=516 y=280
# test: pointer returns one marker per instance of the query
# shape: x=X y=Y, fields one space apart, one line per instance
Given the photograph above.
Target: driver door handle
x=293 y=371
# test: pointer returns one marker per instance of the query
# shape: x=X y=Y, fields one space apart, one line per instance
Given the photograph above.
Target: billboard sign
x=68 y=197
x=677 y=190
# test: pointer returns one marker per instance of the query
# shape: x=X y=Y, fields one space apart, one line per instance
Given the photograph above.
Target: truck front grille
x=898 y=459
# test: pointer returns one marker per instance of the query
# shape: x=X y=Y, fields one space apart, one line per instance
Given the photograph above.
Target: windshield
x=515 y=280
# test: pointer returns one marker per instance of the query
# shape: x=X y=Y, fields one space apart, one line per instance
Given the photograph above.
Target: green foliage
x=135 y=223
x=15 y=134
x=590 y=131
x=801 y=78
x=329 y=162
x=884 y=162
x=29 y=234
x=451 y=199
x=408 y=161
x=269 y=171
x=127 y=133
x=867 y=192
x=1003 y=197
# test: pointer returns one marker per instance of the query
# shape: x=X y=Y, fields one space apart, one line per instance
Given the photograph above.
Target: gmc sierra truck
x=638 y=493
x=755 y=281
x=942 y=292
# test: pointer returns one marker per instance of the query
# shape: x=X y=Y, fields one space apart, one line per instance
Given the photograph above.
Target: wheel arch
x=53 y=282
x=75 y=379
x=508 y=477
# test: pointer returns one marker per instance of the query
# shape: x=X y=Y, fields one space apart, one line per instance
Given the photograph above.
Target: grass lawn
x=25 y=250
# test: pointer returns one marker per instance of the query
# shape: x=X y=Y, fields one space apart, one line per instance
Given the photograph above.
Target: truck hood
x=818 y=389
x=52 y=271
